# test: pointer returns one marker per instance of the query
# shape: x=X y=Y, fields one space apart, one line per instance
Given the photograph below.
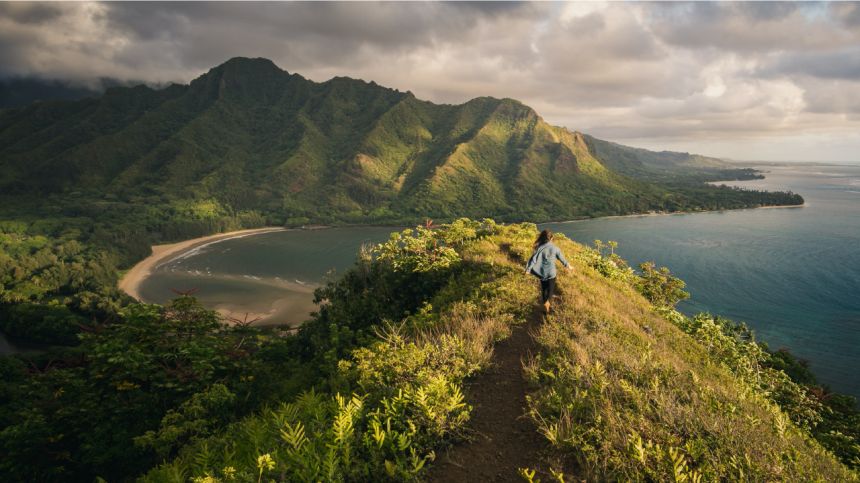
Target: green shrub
x=659 y=286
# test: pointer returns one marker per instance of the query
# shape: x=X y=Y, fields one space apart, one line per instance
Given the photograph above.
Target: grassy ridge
x=247 y=145
x=623 y=390
x=86 y=187
x=630 y=389
x=371 y=387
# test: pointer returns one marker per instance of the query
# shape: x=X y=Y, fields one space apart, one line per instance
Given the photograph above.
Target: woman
x=542 y=265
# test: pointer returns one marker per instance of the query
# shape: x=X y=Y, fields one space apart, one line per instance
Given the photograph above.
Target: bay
x=268 y=277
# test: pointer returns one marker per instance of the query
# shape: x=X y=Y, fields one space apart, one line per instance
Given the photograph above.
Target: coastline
x=671 y=213
x=284 y=311
x=131 y=280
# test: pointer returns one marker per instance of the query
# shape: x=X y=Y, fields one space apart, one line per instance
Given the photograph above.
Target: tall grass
x=624 y=394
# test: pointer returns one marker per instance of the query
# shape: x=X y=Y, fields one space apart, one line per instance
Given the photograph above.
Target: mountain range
x=249 y=136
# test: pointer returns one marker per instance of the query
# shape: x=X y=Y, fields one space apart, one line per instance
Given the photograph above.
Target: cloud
x=832 y=96
x=745 y=27
x=836 y=64
x=633 y=71
x=30 y=13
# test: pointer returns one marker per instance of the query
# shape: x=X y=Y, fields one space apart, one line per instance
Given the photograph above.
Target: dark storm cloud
x=30 y=13
x=841 y=64
x=311 y=33
x=175 y=40
x=745 y=27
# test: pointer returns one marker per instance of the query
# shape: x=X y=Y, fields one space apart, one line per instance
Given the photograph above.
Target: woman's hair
x=544 y=237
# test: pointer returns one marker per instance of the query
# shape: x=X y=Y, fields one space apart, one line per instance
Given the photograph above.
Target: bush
x=659 y=286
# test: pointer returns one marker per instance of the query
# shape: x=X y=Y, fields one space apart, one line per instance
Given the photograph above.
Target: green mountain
x=87 y=186
x=664 y=166
x=249 y=136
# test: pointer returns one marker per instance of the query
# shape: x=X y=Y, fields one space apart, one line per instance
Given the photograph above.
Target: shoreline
x=670 y=213
x=131 y=280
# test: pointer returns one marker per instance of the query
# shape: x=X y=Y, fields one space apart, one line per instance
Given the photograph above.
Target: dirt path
x=505 y=439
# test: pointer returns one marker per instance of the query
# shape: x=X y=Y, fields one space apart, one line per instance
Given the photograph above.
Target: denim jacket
x=542 y=263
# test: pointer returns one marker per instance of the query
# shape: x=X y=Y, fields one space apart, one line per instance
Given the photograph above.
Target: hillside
x=381 y=384
x=248 y=136
x=86 y=187
x=664 y=166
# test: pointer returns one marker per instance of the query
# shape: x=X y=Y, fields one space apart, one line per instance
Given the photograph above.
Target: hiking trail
x=504 y=438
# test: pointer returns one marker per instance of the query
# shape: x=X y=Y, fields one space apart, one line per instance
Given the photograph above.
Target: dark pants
x=547 y=289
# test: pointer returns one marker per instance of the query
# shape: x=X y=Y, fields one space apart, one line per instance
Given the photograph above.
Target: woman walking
x=542 y=265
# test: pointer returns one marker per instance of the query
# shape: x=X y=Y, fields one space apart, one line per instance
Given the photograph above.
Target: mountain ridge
x=254 y=137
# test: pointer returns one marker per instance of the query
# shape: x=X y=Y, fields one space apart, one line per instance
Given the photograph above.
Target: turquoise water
x=792 y=274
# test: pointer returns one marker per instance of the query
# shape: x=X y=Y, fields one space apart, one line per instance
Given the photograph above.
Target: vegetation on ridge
x=631 y=389
x=372 y=386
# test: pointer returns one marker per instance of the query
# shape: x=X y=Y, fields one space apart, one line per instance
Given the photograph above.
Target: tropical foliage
x=625 y=386
x=88 y=186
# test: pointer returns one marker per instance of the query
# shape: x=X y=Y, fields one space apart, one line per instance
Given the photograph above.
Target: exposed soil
x=504 y=438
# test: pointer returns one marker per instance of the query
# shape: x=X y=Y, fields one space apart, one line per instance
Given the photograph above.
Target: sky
x=747 y=81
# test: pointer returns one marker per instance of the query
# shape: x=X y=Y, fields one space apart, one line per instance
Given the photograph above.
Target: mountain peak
x=249 y=64
x=243 y=77
x=243 y=68
x=351 y=147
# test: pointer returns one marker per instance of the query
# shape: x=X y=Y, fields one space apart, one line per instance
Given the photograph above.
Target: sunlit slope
x=630 y=391
x=251 y=136
x=663 y=165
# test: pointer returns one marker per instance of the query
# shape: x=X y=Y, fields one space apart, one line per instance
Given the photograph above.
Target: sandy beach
x=130 y=282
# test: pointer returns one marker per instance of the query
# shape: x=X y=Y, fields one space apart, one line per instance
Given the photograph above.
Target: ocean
x=792 y=274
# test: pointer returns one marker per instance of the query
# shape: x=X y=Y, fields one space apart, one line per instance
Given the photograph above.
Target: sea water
x=792 y=274
x=272 y=273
